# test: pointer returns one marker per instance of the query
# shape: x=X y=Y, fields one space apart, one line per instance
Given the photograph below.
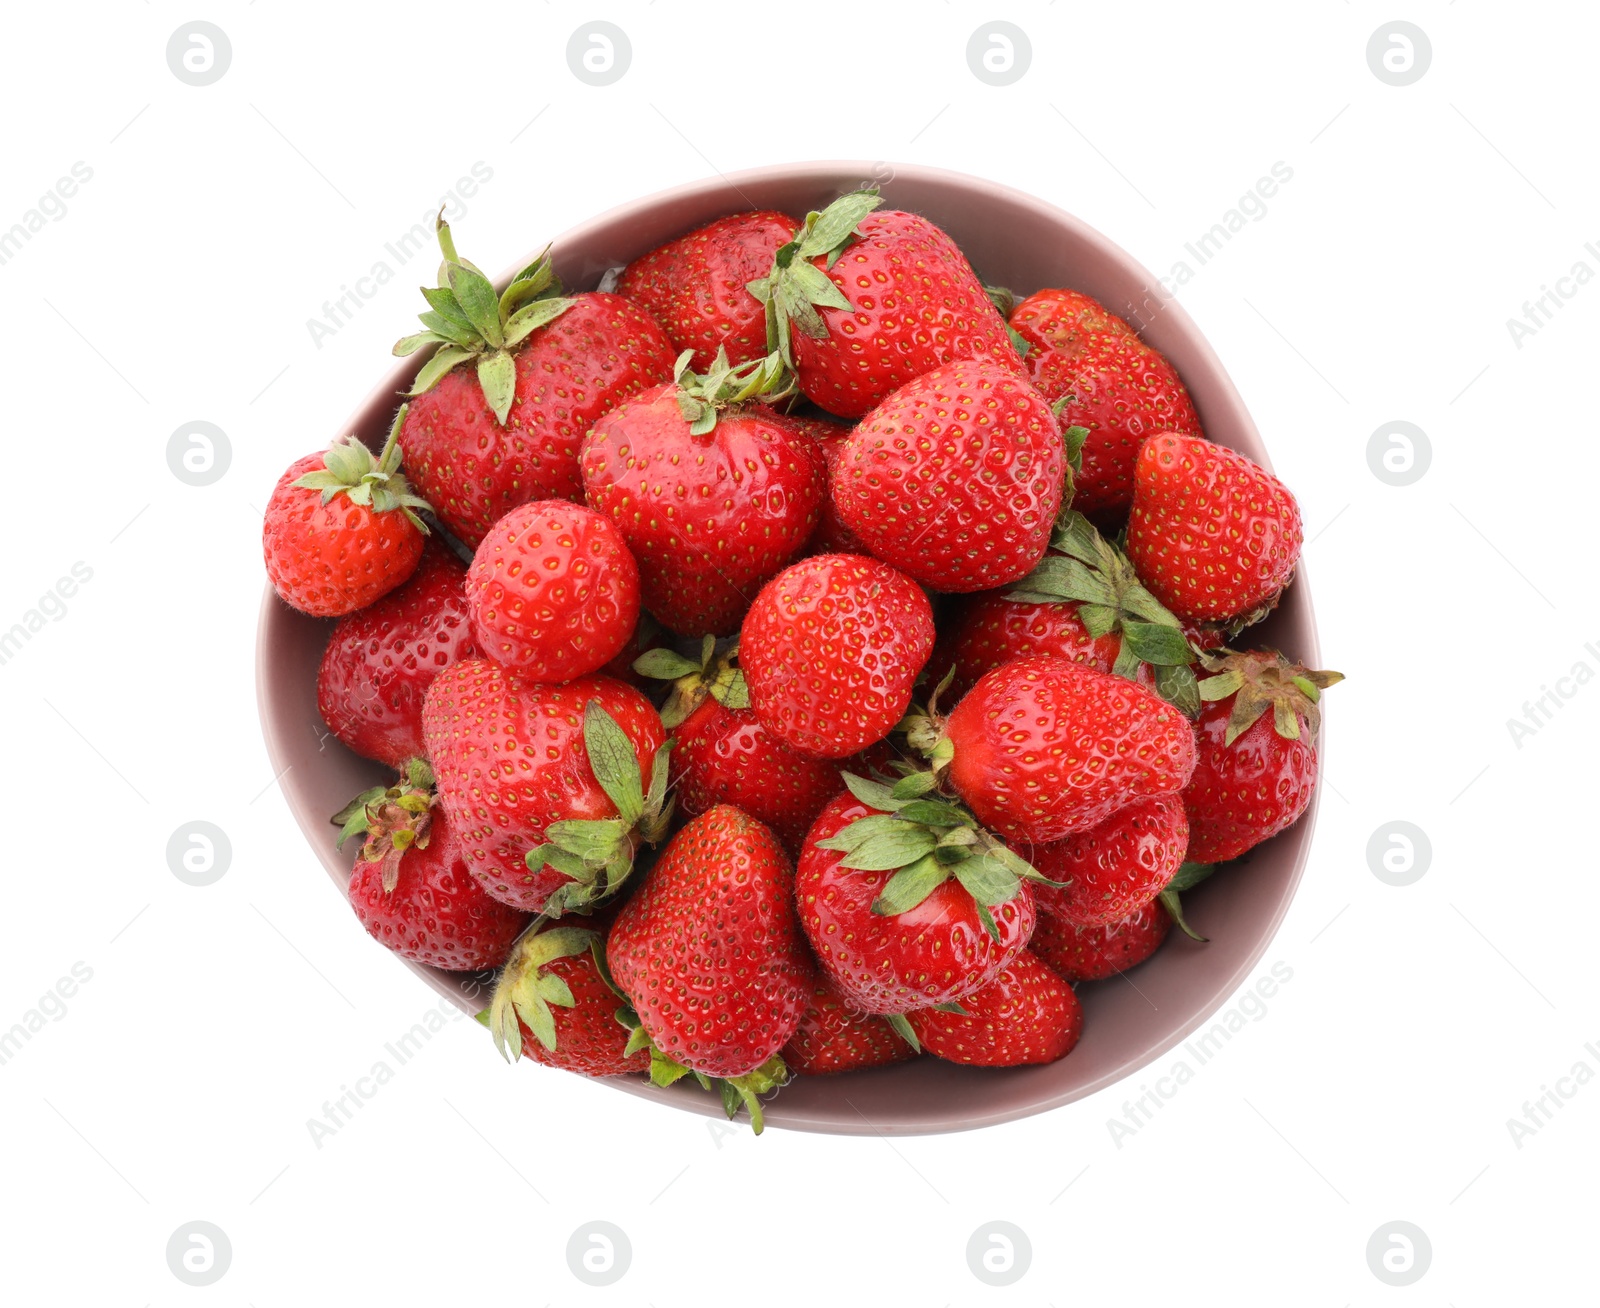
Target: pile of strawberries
x=847 y=663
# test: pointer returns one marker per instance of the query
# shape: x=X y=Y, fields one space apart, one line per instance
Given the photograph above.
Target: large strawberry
x=341 y=530
x=1027 y=1014
x=553 y=591
x=1256 y=770
x=713 y=492
x=696 y=285
x=1106 y=380
x=380 y=659
x=1214 y=536
x=1077 y=953
x=410 y=886
x=1112 y=869
x=955 y=477
x=833 y=1037
x=860 y=303
x=709 y=953
x=479 y=442
x=830 y=650
x=546 y=784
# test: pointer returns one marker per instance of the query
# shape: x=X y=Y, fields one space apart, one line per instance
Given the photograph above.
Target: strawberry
x=1255 y=771
x=831 y=535
x=954 y=478
x=552 y=591
x=1041 y=748
x=1027 y=1014
x=894 y=927
x=833 y=1038
x=410 y=886
x=380 y=659
x=341 y=528
x=545 y=783
x=1110 y=870
x=1114 y=385
x=695 y=286
x=713 y=493
x=1214 y=536
x=545 y=367
x=830 y=650
x=709 y=953
x=1093 y=953
x=860 y=303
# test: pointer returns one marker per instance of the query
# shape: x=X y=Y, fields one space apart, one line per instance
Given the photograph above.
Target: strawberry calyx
x=468 y=321
x=526 y=992
x=1083 y=567
x=1263 y=679
x=349 y=469
x=714 y=676
x=1186 y=877
x=392 y=819
x=703 y=396
x=597 y=854
x=736 y=1091
x=1005 y=300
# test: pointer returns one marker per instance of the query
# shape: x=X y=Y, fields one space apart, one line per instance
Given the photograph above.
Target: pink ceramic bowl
x=1013 y=240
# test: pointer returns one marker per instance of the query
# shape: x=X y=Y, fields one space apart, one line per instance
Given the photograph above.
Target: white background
x=177 y=286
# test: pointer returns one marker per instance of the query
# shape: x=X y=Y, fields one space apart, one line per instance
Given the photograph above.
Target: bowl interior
x=1014 y=240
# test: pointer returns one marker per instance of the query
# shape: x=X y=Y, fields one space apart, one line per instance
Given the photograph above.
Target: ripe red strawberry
x=483 y=441
x=1044 y=748
x=1027 y=1014
x=954 y=478
x=1214 y=536
x=555 y=1004
x=710 y=955
x=1094 y=953
x=991 y=629
x=860 y=303
x=1255 y=771
x=695 y=286
x=1117 y=387
x=516 y=766
x=380 y=659
x=553 y=591
x=410 y=886
x=831 y=535
x=907 y=933
x=832 y=1037
x=712 y=494
x=341 y=529
x=830 y=650
x=1110 y=870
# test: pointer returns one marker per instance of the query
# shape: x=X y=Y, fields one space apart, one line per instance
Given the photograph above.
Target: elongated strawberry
x=1107 y=381
x=830 y=650
x=1256 y=770
x=955 y=477
x=553 y=591
x=713 y=492
x=552 y=788
x=483 y=440
x=341 y=530
x=696 y=286
x=860 y=303
x=832 y=1037
x=1027 y=1014
x=1214 y=536
x=1112 y=869
x=1077 y=953
x=380 y=659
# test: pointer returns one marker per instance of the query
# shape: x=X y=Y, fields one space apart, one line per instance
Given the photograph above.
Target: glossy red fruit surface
x=832 y=1037
x=1114 y=868
x=1027 y=1014
x=1093 y=953
x=989 y=630
x=831 y=536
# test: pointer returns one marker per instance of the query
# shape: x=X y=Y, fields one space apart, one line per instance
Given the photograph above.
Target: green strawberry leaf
x=497 y=375
x=888 y=849
x=902 y=1028
x=615 y=765
x=986 y=879
x=910 y=886
x=873 y=794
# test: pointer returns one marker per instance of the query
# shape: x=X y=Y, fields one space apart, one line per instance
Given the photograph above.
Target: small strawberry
x=1027 y=1014
x=859 y=303
x=545 y=366
x=1255 y=771
x=552 y=591
x=712 y=492
x=831 y=535
x=1114 y=385
x=545 y=784
x=1214 y=536
x=380 y=659
x=1110 y=870
x=410 y=887
x=341 y=528
x=696 y=285
x=1094 y=953
x=830 y=650
x=832 y=1037
x=710 y=955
